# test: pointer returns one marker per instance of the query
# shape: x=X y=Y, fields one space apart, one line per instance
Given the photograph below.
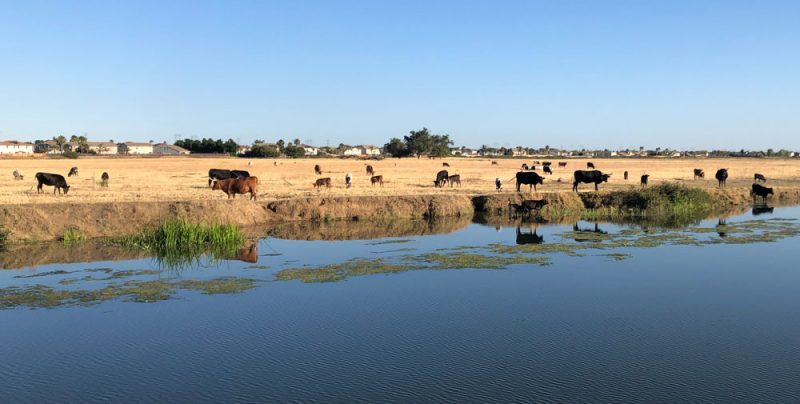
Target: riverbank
x=37 y=222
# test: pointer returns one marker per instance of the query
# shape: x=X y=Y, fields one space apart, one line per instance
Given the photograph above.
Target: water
x=710 y=319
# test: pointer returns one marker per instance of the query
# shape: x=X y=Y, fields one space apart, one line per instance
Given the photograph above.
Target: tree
x=395 y=148
x=294 y=151
x=297 y=142
x=262 y=150
x=60 y=141
x=280 y=144
x=231 y=147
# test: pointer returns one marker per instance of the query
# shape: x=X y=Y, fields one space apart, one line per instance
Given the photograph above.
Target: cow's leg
x=595 y=186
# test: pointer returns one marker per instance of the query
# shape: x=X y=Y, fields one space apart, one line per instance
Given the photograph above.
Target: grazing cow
x=454 y=179
x=588 y=177
x=54 y=180
x=222 y=174
x=317 y=169
x=494 y=162
x=721 y=176
x=625 y=176
x=104 y=180
x=498 y=184
x=547 y=170
x=441 y=179
x=699 y=173
x=529 y=238
x=525 y=167
x=370 y=171
x=644 y=180
x=547 y=163
x=759 y=177
x=589 y=164
x=761 y=191
x=322 y=182
x=18 y=176
x=376 y=179
x=530 y=179
x=233 y=186
x=445 y=165
x=73 y=172
x=562 y=163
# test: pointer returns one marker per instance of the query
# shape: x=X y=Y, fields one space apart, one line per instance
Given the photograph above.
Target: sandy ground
x=185 y=178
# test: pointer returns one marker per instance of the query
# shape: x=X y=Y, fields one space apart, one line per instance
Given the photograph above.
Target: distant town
x=417 y=144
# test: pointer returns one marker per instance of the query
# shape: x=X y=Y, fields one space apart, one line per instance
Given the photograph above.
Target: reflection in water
x=248 y=254
x=760 y=210
x=722 y=223
x=366 y=230
x=529 y=237
x=584 y=234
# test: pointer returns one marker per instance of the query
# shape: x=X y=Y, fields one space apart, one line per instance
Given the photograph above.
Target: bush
x=70 y=155
x=262 y=150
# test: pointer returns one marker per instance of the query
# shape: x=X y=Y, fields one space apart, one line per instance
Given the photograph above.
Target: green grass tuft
x=72 y=236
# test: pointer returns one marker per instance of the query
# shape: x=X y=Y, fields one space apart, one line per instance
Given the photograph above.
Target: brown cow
x=233 y=186
x=317 y=169
x=319 y=183
x=376 y=179
x=370 y=171
x=454 y=179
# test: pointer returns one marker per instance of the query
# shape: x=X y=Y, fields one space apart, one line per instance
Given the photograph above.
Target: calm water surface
x=668 y=323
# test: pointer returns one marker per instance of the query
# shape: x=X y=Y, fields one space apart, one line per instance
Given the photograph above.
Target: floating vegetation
x=41 y=274
x=41 y=296
x=394 y=251
x=478 y=261
x=259 y=267
x=617 y=256
x=337 y=272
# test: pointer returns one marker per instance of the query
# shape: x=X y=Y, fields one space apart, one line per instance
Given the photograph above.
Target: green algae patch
x=617 y=256
x=218 y=286
x=340 y=271
x=477 y=261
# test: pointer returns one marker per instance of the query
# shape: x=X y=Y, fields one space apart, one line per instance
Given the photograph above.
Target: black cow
x=588 y=177
x=644 y=180
x=529 y=238
x=104 y=180
x=445 y=164
x=761 y=191
x=721 y=176
x=54 y=180
x=699 y=173
x=530 y=179
x=73 y=172
x=317 y=169
x=525 y=167
x=625 y=175
x=759 y=177
x=222 y=174
x=547 y=170
x=441 y=179
x=546 y=163
x=589 y=164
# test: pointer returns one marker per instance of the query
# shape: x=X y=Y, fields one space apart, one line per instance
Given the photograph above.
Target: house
x=310 y=150
x=136 y=148
x=351 y=151
x=519 y=151
x=165 y=149
x=102 y=147
x=243 y=148
x=369 y=150
x=15 y=147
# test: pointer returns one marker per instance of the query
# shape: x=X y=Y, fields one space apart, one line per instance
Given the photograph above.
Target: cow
x=530 y=179
x=233 y=186
x=625 y=176
x=721 y=176
x=562 y=163
x=104 y=180
x=527 y=206
x=581 y=235
x=525 y=167
x=215 y=174
x=54 y=180
x=18 y=176
x=589 y=164
x=322 y=182
x=370 y=170
x=588 y=177
x=644 y=180
x=317 y=169
x=699 y=173
x=441 y=179
x=759 y=177
x=761 y=191
x=494 y=162
x=239 y=174
x=376 y=179
x=498 y=184
x=547 y=164
x=528 y=238
x=547 y=170
x=454 y=179
x=445 y=164
x=73 y=172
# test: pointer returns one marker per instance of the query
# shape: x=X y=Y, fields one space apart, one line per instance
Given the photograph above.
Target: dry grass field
x=185 y=178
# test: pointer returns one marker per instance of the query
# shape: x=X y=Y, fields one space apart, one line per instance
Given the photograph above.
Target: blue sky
x=594 y=74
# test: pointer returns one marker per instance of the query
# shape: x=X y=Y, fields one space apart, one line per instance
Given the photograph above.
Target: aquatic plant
x=72 y=235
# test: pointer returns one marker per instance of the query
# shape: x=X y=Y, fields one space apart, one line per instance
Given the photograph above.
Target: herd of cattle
x=233 y=182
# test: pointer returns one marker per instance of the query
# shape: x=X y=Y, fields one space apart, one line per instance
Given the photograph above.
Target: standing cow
x=759 y=177
x=644 y=180
x=73 y=172
x=547 y=170
x=588 y=177
x=104 y=180
x=762 y=192
x=699 y=173
x=370 y=171
x=53 y=180
x=376 y=179
x=721 y=176
x=530 y=179
x=589 y=164
x=318 y=169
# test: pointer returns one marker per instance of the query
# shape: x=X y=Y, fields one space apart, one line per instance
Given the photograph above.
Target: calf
x=322 y=182
x=759 y=177
x=547 y=170
x=699 y=173
x=317 y=169
x=761 y=191
x=644 y=180
x=104 y=180
x=589 y=164
x=54 y=180
x=721 y=176
x=454 y=179
x=376 y=179
x=73 y=172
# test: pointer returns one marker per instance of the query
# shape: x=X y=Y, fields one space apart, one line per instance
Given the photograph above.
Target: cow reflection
x=721 y=223
x=248 y=254
x=529 y=237
x=760 y=210
x=577 y=230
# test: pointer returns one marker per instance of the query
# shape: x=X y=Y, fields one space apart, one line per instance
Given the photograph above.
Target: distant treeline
x=209 y=146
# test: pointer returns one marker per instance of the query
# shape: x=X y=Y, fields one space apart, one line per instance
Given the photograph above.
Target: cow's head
x=769 y=191
x=215 y=185
x=66 y=189
x=605 y=177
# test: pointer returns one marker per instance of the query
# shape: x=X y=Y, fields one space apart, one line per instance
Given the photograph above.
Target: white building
x=310 y=150
x=137 y=148
x=351 y=151
x=101 y=147
x=369 y=150
x=169 y=149
x=15 y=147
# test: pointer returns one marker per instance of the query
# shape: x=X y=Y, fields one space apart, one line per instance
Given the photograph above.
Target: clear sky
x=594 y=74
